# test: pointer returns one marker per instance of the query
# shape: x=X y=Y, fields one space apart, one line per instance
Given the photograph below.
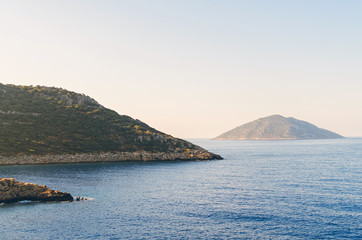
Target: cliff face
x=48 y=121
x=14 y=191
x=277 y=127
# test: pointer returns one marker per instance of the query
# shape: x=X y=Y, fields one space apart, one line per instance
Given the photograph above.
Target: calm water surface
x=261 y=190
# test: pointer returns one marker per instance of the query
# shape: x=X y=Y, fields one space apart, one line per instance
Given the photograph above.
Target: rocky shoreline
x=12 y=191
x=108 y=157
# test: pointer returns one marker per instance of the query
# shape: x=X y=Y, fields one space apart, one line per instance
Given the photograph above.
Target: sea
x=301 y=189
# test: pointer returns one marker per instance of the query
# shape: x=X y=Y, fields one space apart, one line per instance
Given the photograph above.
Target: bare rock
x=14 y=191
x=200 y=154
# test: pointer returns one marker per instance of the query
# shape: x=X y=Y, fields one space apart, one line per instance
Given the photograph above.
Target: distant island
x=277 y=127
x=52 y=125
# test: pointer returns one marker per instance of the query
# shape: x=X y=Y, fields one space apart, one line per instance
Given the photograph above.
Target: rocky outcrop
x=108 y=157
x=80 y=100
x=13 y=191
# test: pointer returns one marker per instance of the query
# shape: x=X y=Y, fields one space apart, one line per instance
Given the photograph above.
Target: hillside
x=44 y=121
x=277 y=127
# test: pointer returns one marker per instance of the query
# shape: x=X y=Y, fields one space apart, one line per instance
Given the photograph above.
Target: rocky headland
x=41 y=125
x=14 y=191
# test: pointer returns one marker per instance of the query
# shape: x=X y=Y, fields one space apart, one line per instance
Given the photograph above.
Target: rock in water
x=277 y=127
x=13 y=191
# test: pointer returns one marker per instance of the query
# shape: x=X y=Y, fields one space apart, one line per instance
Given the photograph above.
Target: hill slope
x=44 y=121
x=277 y=127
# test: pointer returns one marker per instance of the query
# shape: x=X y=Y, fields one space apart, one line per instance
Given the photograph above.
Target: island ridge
x=277 y=127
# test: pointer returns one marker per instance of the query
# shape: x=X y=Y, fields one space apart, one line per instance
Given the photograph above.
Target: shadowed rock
x=14 y=191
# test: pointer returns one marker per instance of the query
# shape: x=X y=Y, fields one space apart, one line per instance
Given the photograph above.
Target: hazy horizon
x=194 y=69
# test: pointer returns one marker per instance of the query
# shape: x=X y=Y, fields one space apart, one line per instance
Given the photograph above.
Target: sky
x=194 y=68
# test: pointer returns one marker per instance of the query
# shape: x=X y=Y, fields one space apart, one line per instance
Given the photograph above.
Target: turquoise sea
x=308 y=189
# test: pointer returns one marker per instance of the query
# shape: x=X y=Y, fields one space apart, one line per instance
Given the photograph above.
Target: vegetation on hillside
x=48 y=120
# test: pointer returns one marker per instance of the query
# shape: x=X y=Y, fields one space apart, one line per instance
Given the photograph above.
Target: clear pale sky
x=194 y=68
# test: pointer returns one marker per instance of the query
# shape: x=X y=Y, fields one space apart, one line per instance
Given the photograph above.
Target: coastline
x=108 y=157
x=270 y=139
